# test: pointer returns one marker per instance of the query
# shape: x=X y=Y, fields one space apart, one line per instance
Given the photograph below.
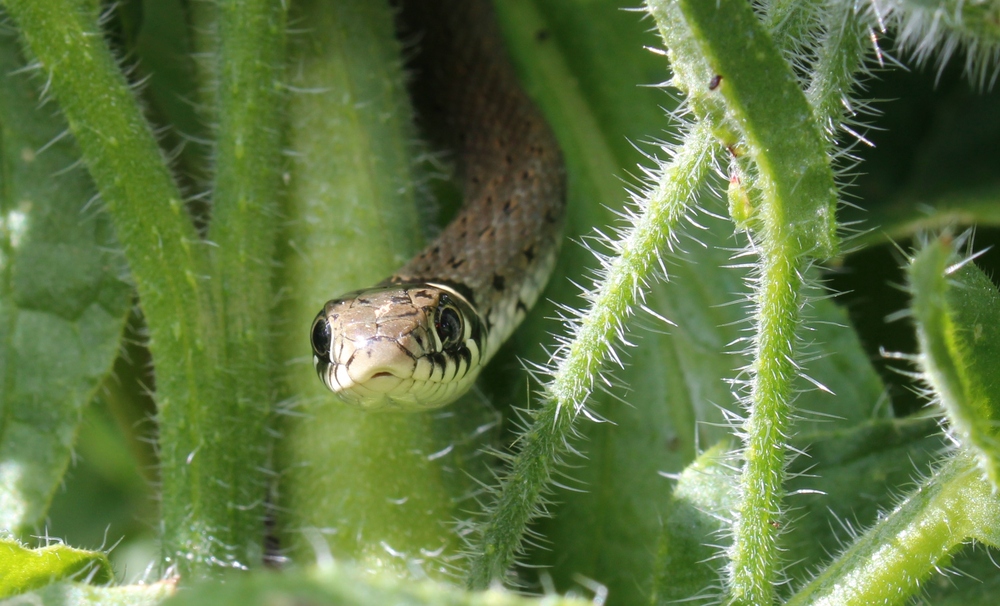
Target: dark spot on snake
x=549 y=217
x=526 y=175
x=499 y=282
x=715 y=82
x=364 y=301
x=529 y=253
x=542 y=35
x=521 y=306
x=456 y=263
x=507 y=207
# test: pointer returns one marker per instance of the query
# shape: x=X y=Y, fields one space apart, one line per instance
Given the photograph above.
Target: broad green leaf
x=957 y=312
x=82 y=594
x=847 y=478
x=63 y=300
x=26 y=569
x=343 y=587
x=894 y=556
x=694 y=534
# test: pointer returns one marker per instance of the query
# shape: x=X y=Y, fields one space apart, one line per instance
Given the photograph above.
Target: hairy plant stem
x=232 y=431
x=552 y=425
x=212 y=444
x=754 y=556
x=940 y=28
x=761 y=115
x=887 y=564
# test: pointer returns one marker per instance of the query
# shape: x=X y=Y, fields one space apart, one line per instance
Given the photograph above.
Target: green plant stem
x=758 y=111
x=230 y=434
x=886 y=565
x=834 y=72
x=167 y=262
x=542 y=445
x=754 y=555
x=210 y=489
x=939 y=27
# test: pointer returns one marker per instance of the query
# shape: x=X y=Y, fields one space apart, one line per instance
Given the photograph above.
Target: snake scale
x=417 y=340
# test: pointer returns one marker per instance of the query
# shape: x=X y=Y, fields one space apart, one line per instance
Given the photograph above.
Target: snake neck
x=502 y=245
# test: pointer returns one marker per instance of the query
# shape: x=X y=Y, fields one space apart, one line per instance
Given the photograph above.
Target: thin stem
x=754 y=555
x=551 y=427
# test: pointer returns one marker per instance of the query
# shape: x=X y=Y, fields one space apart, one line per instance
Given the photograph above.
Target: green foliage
x=299 y=131
x=27 y=569
x=63 y=298
x=348 y=588
x=956 y=308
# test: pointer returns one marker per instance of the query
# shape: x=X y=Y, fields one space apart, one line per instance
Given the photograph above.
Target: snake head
x=401 y=347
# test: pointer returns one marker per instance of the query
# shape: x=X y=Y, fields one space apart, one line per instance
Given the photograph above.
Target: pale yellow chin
x=385 y=391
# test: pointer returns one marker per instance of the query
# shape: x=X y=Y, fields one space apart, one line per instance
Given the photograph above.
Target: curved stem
x=519 y=494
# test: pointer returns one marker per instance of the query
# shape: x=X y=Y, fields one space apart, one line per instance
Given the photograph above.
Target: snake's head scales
x=399 y=347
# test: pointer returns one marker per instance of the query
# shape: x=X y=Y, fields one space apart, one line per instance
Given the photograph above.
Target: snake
x=419 y=339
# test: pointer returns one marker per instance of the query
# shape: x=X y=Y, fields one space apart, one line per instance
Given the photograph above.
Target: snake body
x=418 y=340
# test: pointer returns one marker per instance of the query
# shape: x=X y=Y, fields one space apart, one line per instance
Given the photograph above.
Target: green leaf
x=81 y=594
x=847 y=478
x=63 y=300
x=346 y=587
x=888 y=562
x=26 y=569
x=694 y=533
x=957 y=312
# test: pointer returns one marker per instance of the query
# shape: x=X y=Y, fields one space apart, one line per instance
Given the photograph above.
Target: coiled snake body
x=419 y=339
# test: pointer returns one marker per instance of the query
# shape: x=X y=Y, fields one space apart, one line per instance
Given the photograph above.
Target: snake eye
x=449 y=327
x=321 y=337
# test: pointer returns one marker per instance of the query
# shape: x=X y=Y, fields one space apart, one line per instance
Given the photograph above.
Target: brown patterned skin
x=511 y=168
x=499 y=250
